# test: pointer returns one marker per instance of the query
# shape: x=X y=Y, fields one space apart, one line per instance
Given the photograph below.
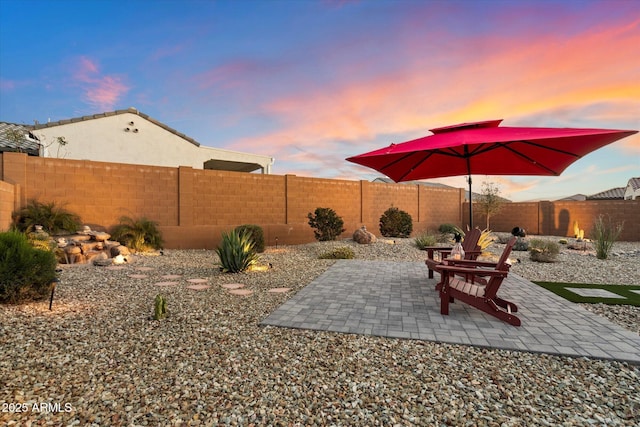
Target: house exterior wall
x=105 y=139
x=630 y=193
x=193 y=207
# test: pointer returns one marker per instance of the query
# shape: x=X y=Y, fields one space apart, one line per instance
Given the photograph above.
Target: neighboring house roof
x=114 y=113
x=634 y=183
x=574 y=198
x=476 y=196
x=30 y=145
x=613 y=193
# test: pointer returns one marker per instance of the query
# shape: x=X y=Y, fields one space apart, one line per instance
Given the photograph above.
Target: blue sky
x=313 y=82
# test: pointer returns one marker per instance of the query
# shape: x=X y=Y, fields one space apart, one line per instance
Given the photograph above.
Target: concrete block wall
x=8 y=194
x=194 y=207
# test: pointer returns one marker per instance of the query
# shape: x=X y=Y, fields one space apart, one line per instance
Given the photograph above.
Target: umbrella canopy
x=488 y=149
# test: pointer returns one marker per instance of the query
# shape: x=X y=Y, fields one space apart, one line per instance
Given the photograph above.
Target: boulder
x=363 y=237
x=100 y=236
x=119 y=250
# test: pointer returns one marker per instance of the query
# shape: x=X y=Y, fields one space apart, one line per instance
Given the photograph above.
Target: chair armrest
x=469 y=263
x=454 y=269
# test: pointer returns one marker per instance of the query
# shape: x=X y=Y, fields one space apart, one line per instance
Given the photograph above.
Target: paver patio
x=397 y=300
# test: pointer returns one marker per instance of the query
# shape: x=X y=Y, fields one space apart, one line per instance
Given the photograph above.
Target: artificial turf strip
x=626 y=296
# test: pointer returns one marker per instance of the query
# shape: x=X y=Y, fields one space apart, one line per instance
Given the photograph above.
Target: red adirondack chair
x=479 y=287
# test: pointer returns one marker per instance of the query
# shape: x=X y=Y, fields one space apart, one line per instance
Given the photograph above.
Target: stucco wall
x=145 y=143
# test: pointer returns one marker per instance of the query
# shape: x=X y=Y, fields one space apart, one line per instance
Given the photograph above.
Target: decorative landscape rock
x=363 y=237
x=90 y=246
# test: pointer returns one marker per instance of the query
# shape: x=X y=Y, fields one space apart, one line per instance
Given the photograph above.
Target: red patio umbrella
x=486 y=148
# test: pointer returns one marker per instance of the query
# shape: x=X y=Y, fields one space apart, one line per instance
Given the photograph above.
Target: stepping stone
x=198 y=287
x=165 y=284
x=600 y=293
x=171 y=276
x=138 y=276
x=144 y=268
x=233 y=286
x=243 y=292
x=279 y=290
x=197 y=280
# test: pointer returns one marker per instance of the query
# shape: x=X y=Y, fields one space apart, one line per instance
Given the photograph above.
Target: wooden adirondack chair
x=469 y=244
x=479 y=287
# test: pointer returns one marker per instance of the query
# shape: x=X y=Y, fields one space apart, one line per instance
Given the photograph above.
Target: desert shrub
x=26 y=273
x=543 y=250
x=450 y=229
x=396 y=223
x=53 y=218
x=521 y=244
x=605 y=233
x=342 y=252
x=140 y=235
x=255 y=233
x=236 y=251
x=326 y=224
x=425 y=240
x=486 y=239
x=41 y=240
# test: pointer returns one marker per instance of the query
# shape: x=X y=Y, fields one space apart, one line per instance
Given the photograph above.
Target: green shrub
x=425 y=240
x=543 y=251
x=255 y=233
x=563 y=241
x=236 y=252
x=53 y=218
x=140 y=235
x=450 y=229
x=26 y=273
x=605 y=233
x=338 y=253
x=396 y=223
x=326 y=223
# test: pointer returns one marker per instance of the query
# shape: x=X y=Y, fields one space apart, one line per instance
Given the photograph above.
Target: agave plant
x=137 y=234
x=237 y=251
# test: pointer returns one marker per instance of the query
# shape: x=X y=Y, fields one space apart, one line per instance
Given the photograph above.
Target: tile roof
x=114 y=113
x=613 y=193
x=634 y=183
x=30 y=146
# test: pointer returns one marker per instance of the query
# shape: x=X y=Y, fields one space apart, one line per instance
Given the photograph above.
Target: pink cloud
x=510 y=78
x=7 y=84
x=101 y=92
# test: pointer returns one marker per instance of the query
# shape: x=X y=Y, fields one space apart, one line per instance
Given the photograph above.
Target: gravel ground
x=99 y=359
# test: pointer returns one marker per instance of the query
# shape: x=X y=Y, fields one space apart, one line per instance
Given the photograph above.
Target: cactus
x=160 y=311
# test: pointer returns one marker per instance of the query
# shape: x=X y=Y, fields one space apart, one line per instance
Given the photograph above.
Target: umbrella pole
x=470 y=206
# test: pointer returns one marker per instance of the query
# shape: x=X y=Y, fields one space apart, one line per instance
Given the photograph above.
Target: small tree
x=326 y=223
x=490 y=201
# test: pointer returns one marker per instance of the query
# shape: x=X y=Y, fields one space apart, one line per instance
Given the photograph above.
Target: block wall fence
x=193 y=206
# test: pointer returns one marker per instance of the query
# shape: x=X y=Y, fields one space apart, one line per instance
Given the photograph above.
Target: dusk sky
x=313 y=82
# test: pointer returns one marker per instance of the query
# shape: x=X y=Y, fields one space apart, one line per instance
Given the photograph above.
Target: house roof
x=30 y=145
x=130 y=110
x=634 y=183
x=613 y=193
x=476 y=196
x=576 y=198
